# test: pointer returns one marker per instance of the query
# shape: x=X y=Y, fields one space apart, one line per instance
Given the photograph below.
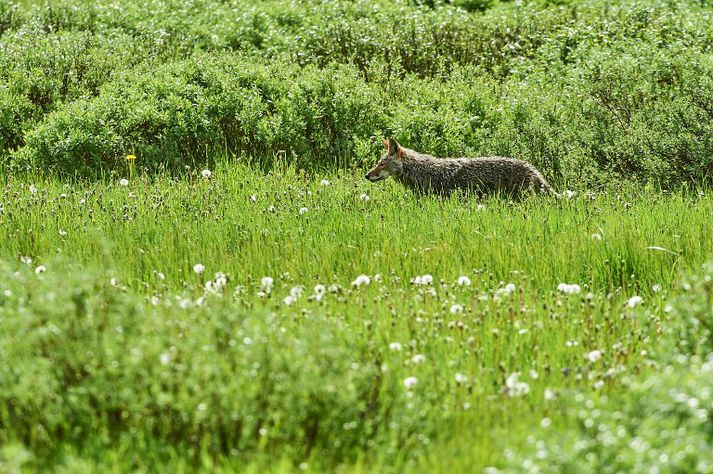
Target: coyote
x=489 y=175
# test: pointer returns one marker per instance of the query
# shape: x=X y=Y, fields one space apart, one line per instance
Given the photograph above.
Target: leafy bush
x=88 y=363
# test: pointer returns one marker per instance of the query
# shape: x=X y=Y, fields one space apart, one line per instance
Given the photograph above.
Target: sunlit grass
x=413 y=364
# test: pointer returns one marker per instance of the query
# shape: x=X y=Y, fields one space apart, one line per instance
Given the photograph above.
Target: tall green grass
x=121 y=356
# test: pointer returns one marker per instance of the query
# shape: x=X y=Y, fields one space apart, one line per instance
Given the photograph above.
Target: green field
x=240 y=299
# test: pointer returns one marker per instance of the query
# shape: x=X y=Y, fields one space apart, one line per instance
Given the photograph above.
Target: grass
x=120 y=356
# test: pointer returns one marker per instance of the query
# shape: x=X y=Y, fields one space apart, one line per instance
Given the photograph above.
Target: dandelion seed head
x=464 y=281
x=324 y=182
x=361 y=280
x=199 y=268
x=456 y=309
x=410 y=382
x=634 y=301
x=124 y=182
x=40 y=269
x=206 y=173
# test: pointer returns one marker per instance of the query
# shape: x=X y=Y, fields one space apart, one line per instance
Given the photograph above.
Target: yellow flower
x=130 y=158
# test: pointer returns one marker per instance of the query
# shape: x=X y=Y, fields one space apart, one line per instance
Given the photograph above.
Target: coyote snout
x=487 y=175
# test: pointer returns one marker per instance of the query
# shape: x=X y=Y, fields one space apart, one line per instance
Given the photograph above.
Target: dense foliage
x=590 y=92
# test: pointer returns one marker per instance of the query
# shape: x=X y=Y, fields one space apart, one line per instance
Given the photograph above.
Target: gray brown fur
x=428 y=174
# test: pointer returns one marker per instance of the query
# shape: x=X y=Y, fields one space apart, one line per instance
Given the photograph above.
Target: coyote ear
x=394 y=147
x=386 y=143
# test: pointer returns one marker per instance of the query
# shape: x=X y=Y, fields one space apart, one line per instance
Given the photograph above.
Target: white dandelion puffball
x=266 y=283
x=365 y=197
x=324 y=182
x=569 y=194
x=568 y=289
x=206 y=173
x=456 y=309
x=423 y=280
x=199 y=268
x=303 y=210
x=464 y=281
x=395 y=346
x=514 y=387
x=594 y=356
x=361 y=280
x=409 y=382
x=418 y=358
x=460 y=378
x=289 y=300
x=33 y=189
x=124 y=182
x=634 y=301
x=40 y=269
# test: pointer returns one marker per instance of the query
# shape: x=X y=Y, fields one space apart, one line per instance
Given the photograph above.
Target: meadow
x=238 y=298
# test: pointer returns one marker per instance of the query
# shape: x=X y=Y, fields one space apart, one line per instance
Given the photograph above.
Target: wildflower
x=423 y=280
x=361 y=280
x=324 y=182
x=199 y=268
x=266 y=283
x=62 y=233
x=656 y=288
x=289 y=300
x=594 y=356
x=320 y=289
x=124 y=182
x=410 y=382
x=40 y=269
x=253 y=198
x=533 y=374
x=364 y=197
x=460 y=378
x=165 y=358
x=130 y=158
x=395 y=346
x=303 y=210
x=549 y=394
x=480 y=207
x=206 y=174
x=515 y=388
x=546 y=422
x=464 y=281
x=418 y=358
x=378 y=278
x=456 y=309
x=507 y=290
x=33 y=189
x=568 y=289
x=634 y=301
x=569 y=194
x=596 y=236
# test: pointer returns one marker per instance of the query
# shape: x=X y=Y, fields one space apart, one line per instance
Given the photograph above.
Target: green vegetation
x=121 y=355
x=589 y=92
x=239 y=298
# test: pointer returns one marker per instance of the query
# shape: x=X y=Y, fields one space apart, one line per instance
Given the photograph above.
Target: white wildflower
x=40 y=269
x=656 y=288
x=634 y=301
x=594 y=355
x=266 y=283
x=596 y=236
x=534 y=375
x=199 y=268
x=395 y=346
x=460 y=378
x=514 y=387
x=418 y=358
x=423 y=280
x=253 y=198
x=456 y=309
x=568 y=289
x=206 y=173
x=480 y=207
x=549 y=394
x=569 y=194
x=464 y=281
x=364 y=197
x=124 y=182
x=165 y=358
x=324 y=182
x=410 y=382
x=33 y=189
x=289 y=300
x=303 y=210
x=507 y=290
x=361 y=280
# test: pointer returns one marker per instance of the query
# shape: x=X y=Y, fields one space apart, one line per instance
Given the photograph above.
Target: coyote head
x=390 y=164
